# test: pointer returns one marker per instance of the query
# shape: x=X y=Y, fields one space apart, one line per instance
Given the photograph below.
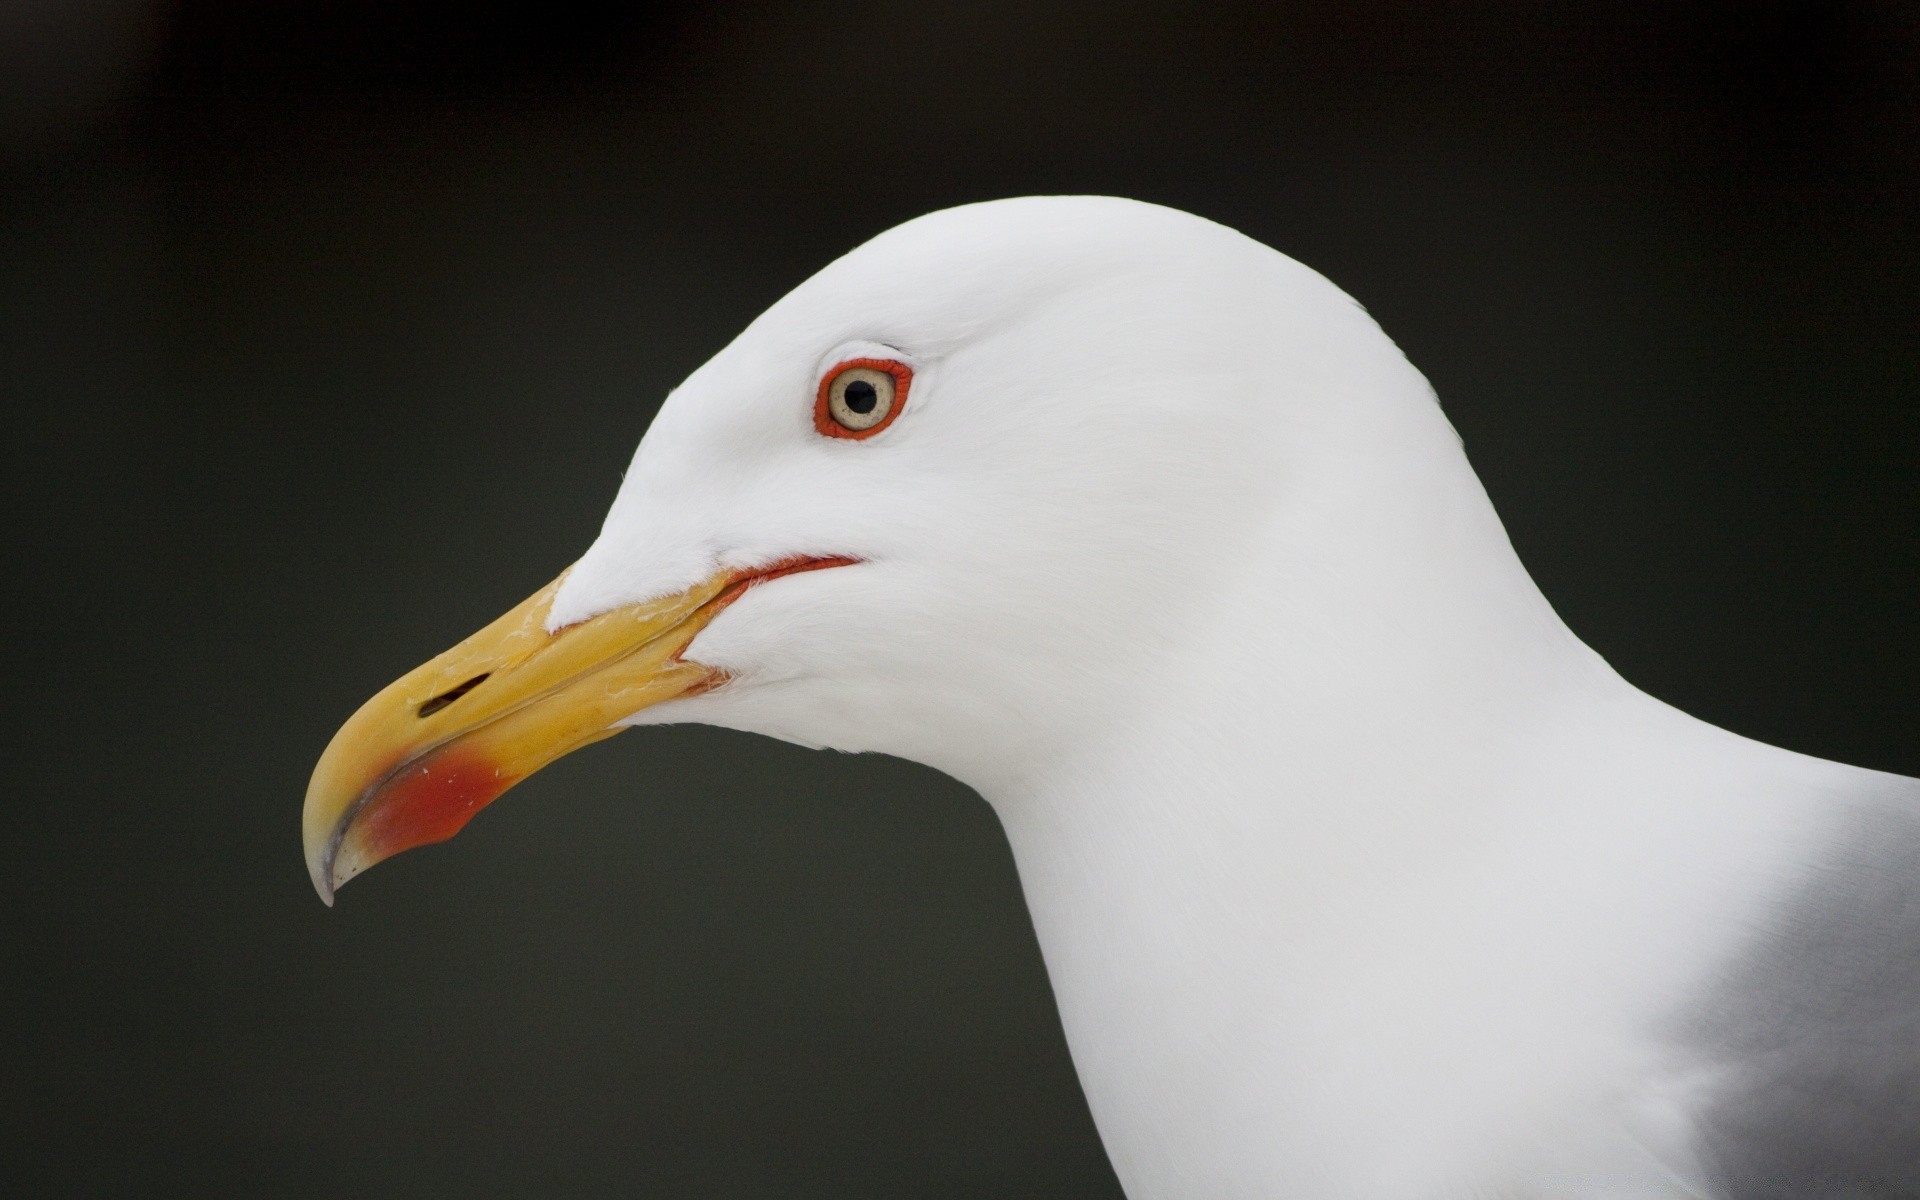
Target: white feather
x=1356 y=874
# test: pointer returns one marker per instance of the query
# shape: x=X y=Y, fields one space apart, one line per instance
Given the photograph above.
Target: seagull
x=1356 y=874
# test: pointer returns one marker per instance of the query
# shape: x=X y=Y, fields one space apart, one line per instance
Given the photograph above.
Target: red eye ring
x=828 y=425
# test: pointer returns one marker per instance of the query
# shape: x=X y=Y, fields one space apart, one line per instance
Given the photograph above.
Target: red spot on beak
x=429 y=801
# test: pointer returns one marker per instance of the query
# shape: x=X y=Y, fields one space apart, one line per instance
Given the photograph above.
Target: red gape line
x=786 y=566
x=823 y=421
x=738 y=588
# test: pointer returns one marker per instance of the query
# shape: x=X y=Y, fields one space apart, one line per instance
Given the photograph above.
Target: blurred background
x=326 y=330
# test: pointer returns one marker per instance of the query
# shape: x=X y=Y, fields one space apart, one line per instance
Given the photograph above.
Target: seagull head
x=965 y=496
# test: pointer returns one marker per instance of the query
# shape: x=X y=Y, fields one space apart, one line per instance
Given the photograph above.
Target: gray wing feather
x=1814 y=1037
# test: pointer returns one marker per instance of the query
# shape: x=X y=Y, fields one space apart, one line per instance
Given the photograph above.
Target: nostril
x=450 y=695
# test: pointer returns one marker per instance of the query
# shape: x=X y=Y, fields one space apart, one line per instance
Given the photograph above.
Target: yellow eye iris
x=860 y=398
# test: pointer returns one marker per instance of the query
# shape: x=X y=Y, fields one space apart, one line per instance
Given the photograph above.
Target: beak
x=445 y=740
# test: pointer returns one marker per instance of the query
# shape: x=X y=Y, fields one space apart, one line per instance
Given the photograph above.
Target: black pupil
x=861 y=397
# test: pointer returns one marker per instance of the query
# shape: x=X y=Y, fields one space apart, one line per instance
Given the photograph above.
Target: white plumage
x=1355 y=872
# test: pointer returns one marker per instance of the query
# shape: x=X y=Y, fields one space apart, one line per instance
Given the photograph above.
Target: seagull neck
x=1347 y=741
x=1255 y=846
x=1343 y=673
x=1225 y=899
x=1312 y=878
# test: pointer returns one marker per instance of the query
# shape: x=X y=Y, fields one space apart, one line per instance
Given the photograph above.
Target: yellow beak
x=446 y=739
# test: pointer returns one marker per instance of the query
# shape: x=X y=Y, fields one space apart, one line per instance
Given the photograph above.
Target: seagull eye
x=861 y=397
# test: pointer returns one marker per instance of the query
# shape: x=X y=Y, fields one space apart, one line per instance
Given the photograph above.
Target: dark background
x=326 y=330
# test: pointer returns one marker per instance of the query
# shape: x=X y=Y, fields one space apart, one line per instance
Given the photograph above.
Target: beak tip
x=320 y=871
x=323 y=887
